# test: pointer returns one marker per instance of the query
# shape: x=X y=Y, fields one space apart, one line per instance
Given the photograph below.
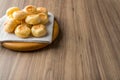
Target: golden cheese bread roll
x=33 y=19
x=44 y=18
x=11 y=10
x=19 y=15
x=10 y=26
x=22 y=31
x=42 y=10
x=39 y=30
x=30 y=9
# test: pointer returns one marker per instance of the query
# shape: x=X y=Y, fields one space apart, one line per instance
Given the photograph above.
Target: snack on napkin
x=39 y=30
x=30 y=20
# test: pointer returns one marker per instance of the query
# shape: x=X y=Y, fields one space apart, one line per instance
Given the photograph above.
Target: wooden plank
x=88 y=47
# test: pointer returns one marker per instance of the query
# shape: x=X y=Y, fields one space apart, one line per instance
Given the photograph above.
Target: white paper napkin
x=4 y=36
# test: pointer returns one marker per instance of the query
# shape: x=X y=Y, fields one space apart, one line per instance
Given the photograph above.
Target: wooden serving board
x=30 y=46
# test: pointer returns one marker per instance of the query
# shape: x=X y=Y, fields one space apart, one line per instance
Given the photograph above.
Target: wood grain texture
x=88 y=47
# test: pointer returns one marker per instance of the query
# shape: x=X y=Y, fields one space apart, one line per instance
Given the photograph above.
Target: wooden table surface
x=88 y=46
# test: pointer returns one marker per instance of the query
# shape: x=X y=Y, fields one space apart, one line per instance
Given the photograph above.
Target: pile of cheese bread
x=27 y=22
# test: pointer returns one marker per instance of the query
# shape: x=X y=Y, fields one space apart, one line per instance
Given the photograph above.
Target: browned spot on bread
x=21 y=27
x=37 y=27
